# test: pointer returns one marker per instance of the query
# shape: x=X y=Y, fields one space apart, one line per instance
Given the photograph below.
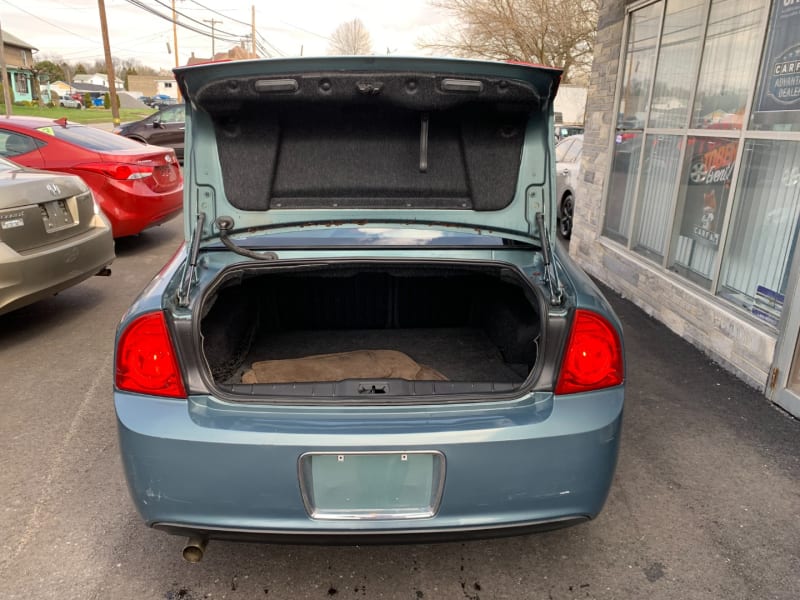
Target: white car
x=69 y=102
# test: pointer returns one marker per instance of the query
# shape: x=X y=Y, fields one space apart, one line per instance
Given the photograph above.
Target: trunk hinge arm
x=191 y=265
x=225 y=224
x=550 y=271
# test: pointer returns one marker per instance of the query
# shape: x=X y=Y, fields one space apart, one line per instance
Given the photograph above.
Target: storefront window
x=730 y=58
x=702 y=198
x=656 y=192
x=639 y=67
x=777 y=102
x=680 y=49
x=763 y=236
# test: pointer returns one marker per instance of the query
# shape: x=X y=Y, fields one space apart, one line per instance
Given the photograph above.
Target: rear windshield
x=91 y=138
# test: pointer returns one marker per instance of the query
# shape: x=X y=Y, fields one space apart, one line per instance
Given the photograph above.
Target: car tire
x=566 y=211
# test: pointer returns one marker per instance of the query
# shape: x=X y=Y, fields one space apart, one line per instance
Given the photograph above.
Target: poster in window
x=708 y=184
x=780 y=79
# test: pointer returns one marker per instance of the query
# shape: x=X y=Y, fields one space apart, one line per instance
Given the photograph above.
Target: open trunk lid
x=282 y=143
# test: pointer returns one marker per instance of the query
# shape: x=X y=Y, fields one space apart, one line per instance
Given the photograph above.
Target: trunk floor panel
x=460 y=354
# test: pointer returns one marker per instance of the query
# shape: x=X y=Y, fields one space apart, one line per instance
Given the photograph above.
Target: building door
x=784 y=385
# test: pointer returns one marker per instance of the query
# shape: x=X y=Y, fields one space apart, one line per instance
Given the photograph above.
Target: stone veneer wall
x=704 y=321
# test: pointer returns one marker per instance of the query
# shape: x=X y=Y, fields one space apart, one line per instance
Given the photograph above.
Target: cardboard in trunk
x=358 y=364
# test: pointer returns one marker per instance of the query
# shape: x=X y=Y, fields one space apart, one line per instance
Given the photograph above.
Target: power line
x=35 y=16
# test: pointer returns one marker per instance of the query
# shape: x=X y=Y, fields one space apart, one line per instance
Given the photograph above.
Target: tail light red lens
x=146 y=359
x=593 y=358
x=121 y=171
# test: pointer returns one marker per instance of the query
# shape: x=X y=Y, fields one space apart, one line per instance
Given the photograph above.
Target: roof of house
x=81 y=77
x=80 y=86
x=13 y=40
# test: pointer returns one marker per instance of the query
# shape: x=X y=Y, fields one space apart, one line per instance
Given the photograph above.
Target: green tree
x=80 y=69
x=53 y=71
x=106 y=100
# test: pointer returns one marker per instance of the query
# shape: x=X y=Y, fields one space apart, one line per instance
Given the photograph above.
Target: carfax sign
x=780 y=86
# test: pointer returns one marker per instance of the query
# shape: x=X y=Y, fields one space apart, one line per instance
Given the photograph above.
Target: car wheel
x=697 y=172
x=565 y=212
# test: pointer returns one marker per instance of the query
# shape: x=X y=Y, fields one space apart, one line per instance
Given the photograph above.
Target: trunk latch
x=373 y=388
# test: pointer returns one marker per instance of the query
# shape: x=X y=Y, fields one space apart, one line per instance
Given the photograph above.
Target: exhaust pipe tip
x=195 y=549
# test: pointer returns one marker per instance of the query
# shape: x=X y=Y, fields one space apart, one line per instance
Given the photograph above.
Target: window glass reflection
x=730 y=58
x=763 y=236
x=656 y=192
x=680 y=49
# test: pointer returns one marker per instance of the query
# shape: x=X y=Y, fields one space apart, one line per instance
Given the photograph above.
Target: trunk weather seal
x=528 y=387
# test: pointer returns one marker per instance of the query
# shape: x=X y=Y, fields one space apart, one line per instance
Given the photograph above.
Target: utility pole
x=253 y=13
x=6 y=82
x=175 y=33
x=213 y=22
x=112 y=79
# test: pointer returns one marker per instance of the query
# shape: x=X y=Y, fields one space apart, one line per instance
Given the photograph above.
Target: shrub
x=87 y=100
x=106 y=100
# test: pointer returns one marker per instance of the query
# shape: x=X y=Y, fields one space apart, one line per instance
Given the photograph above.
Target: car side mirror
x=157 y=124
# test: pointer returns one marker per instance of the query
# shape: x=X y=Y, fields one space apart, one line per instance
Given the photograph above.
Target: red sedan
x=136 y=186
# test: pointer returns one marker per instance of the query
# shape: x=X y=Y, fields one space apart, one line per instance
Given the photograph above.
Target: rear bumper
x=134 y=208
x=42 y=272
x=192 y=469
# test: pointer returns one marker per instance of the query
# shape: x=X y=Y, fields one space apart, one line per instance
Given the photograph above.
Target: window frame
x=741 y=136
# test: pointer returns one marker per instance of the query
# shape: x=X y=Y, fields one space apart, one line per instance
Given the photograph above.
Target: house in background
x=96 y=79
x=152 y=85
x=19 y=64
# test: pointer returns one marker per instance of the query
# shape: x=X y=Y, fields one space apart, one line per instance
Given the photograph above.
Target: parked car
x=69 y=102
x=368 y=335
x=568 y=166
x=164 y=128
x=136 y=186
x=52 y=235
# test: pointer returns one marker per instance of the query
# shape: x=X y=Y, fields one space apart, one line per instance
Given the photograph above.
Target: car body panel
x=50 y=235
x=164 y=128
x=131 y=205
x=221 y=465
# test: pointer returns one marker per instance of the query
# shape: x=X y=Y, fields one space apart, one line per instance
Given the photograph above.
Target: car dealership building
x=690 y=199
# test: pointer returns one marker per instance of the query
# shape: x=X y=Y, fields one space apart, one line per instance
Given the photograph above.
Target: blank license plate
x=390 y=485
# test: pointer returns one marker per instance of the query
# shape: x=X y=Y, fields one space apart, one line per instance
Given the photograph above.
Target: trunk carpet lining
x=460 y=354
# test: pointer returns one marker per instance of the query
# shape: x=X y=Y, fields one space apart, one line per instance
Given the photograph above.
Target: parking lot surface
x=705 y=505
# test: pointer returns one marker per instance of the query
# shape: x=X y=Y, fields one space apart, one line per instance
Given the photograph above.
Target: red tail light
x=593 y=358
x=146 y=360
x=121 y=171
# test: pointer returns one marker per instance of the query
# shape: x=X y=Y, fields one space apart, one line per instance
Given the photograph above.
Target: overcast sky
x=70 y=29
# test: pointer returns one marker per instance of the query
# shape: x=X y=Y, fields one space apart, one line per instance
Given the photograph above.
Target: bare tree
x=552 y=32
x=351 y=38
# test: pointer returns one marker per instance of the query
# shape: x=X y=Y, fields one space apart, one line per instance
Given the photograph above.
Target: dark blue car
x=368 y=334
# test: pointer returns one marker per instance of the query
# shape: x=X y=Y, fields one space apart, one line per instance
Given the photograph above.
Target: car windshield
x=91 y=138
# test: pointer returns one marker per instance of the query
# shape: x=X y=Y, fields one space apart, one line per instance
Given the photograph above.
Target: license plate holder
x=56 y=215
x=372 y=485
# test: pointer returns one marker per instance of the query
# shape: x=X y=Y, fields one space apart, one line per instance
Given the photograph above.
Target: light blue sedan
x=368 y=335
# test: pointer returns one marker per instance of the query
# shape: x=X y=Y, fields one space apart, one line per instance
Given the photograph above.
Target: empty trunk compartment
x=470 y=328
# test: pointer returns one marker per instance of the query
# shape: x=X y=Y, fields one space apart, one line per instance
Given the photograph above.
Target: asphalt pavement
x=705 y=503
